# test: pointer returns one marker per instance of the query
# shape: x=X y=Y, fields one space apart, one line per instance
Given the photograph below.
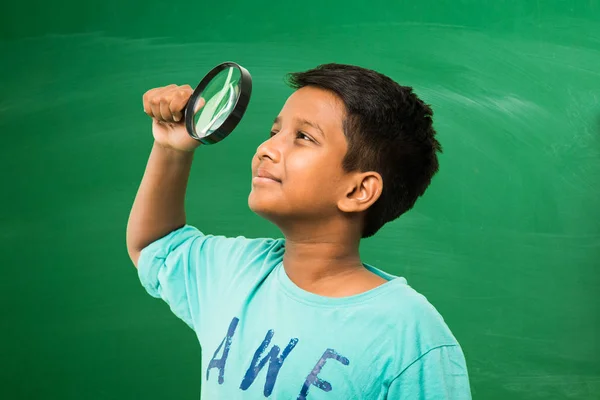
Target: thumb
x=199 y=104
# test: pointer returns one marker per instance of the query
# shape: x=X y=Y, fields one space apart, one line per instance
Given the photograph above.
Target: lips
x=263 y=173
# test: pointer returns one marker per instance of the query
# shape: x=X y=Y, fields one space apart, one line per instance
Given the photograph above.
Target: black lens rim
x=238 y=110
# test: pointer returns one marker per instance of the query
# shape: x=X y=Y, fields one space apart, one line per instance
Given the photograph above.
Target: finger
x=165 y=113
x=176 y=111
x=146 y=101
x=179 y=102
x=150 y=99
x=155 y=108
x=199 y=104
x=155 y=99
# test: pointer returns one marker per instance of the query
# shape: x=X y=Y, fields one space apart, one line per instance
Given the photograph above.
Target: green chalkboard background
x=506 y=242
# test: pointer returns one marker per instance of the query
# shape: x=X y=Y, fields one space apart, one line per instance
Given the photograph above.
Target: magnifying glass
x=226 y=92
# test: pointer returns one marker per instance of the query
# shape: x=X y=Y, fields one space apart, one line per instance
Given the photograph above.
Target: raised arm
x=158 y=208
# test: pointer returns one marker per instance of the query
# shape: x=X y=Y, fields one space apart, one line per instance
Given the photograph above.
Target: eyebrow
x=303 y=121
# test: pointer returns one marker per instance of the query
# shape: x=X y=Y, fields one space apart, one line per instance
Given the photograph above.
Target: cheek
x=312 y=177
x=302 y=161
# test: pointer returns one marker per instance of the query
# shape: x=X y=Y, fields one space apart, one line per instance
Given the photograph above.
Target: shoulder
x=187 y=253
x=406 y=327
x=410 y=324
x=418 y=318
x=196 y=244
x=411 y=313
x=241 y=249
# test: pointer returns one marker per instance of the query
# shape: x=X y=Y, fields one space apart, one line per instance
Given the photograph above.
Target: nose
x=268 y=149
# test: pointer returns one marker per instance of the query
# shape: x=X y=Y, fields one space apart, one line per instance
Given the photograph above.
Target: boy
x=303 y=317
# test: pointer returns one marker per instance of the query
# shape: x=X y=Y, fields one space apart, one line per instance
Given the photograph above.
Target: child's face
x=306 y=162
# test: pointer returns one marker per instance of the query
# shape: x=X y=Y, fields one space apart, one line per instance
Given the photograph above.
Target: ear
x=364 y=190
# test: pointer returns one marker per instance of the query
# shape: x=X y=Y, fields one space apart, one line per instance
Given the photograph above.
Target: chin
x=261 y=205
x=268 y=207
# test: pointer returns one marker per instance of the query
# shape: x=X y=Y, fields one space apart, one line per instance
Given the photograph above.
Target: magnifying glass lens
x=218 y=103
x=221 y=96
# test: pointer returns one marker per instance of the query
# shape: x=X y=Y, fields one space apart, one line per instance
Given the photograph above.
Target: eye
x=301 y=135
x=272 y=134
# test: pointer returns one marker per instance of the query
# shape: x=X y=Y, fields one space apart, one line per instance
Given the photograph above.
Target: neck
x=319 y=259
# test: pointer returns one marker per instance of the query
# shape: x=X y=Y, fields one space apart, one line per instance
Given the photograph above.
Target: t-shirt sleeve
x=439 y=374
x=192 y=272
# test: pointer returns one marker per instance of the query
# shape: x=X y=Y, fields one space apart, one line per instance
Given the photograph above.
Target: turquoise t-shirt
x=264 y=337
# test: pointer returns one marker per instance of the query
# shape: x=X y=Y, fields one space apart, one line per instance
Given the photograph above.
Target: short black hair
x=389 y=130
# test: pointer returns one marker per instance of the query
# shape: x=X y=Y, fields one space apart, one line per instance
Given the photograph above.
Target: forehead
x=315 y=105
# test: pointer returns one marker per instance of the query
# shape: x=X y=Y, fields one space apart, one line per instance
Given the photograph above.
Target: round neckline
x=297 y=293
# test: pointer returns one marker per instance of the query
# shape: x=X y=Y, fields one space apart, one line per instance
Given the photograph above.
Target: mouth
x=262 y=175
x=258 y=180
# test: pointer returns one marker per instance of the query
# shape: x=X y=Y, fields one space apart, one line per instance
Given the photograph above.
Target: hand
x=166 y=106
